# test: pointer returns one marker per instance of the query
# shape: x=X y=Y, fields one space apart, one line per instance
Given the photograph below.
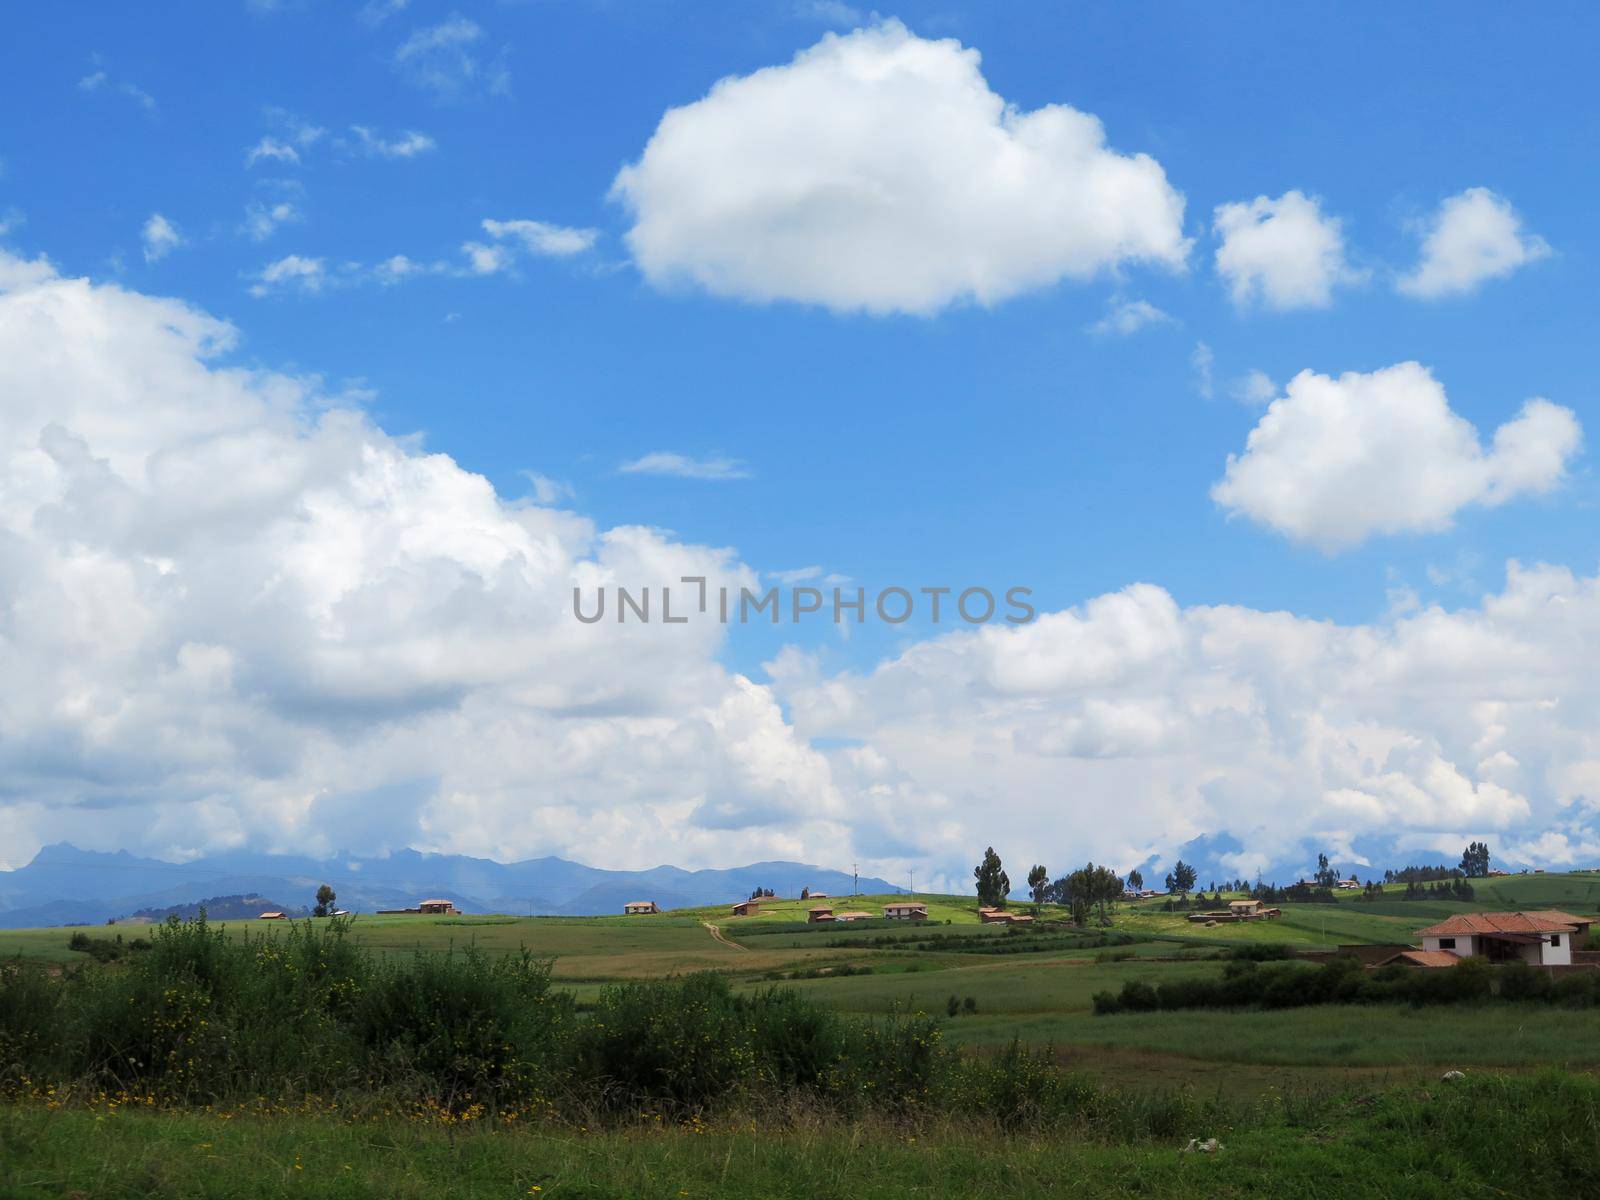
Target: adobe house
x=822 y=912
x=639 y=908
x=853 y=916
x=1541 y=938
x=907 y=911
x=435 y=907
x=272 y=916
x=747 y=908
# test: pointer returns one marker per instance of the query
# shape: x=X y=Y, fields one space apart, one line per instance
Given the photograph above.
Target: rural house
x=436 y=907
x=271 y=916
x=639 y=908
x=907 y=911
x=853 y=916
x=822 y=912
x=747 y=908
x=1542 y=938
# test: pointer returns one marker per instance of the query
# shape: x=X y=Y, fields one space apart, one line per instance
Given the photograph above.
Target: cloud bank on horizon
x=239 y=610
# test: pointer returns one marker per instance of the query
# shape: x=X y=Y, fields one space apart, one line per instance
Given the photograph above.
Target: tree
x=1038 y=881
x=1087 y=888
x=805 y=893
x=1325 y=875
x=1475 y=860
x=1181 y=878
x=325 y=899
x=993 y=884
x=1135 y=880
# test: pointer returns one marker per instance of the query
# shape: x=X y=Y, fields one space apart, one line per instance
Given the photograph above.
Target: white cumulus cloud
x=879 y=172
x=250 y=615
x=1336 y=460
x=160 y=237
x=1475 y=236
x=1281 y=254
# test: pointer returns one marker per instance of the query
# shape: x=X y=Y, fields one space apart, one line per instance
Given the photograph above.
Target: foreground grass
x=1530 y=1137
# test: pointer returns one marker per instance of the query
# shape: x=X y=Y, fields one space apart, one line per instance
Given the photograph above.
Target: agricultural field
x=1035 y=986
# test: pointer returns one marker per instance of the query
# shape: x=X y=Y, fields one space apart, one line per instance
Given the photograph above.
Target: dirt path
x=718 y=935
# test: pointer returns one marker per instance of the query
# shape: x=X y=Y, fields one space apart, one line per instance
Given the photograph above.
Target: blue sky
x=976 y=443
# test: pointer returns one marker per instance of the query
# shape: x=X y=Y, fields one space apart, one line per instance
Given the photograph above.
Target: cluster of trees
x=1455 y=889
x=1474 y=864
x=1475 y=860
x=1088 y=890
x=1092 y=889
x=762 y=893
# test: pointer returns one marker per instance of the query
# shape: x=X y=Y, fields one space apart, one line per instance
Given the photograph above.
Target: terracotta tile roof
x=1423 y=958
x=1547 y=920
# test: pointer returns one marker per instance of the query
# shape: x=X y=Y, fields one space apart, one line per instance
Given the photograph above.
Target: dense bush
x=301 y=1010
x=1244 y=984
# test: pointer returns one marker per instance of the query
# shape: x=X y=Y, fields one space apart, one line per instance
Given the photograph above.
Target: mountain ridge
x=66 y=885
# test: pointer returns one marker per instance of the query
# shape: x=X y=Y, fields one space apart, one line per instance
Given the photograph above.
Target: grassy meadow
x=1297 y=1094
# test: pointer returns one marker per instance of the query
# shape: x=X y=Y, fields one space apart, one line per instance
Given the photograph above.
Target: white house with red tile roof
x=1542 y=937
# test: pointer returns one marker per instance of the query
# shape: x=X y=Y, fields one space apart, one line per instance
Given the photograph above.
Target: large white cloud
x=1283 y=254
x=1474 y=237
x=1334 y=461
x=233 y=609
x=1120 y=730
x=879 y=172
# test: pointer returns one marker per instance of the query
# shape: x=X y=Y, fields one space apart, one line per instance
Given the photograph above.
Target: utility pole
x=913 y=883
x=855 y=877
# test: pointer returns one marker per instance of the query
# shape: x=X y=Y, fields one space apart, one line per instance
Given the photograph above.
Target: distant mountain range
x=64 y=885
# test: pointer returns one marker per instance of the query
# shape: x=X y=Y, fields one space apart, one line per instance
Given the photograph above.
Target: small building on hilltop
x=747 y=908
x=1541 y=938
x=426 y=907
x=639 y=908
x=906 y=911
x=272 y=916
x=821 y=912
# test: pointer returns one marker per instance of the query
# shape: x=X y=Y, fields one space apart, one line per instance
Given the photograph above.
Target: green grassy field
x=1529 y=1138
x=1041 y=997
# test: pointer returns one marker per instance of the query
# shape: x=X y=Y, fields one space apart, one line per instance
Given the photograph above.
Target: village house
x=1348 y=885
x=1541 y=938
x=1238 y=910
x=747 y=908
x=906 y=911
x=853 y=916
x=822 y=912
x=272 y=916
x=429 y=907
x=639 y=908
x=1001 y=916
